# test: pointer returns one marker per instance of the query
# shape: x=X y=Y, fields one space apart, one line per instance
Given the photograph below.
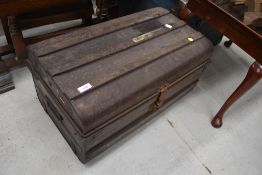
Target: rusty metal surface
x=97 y=49
x=85 y=34
x=98 y=141
x=100 y=73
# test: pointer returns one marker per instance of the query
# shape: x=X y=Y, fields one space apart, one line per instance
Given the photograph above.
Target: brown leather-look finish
x=99 y=83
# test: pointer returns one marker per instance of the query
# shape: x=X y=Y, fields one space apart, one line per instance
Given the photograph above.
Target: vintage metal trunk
x=99 y=83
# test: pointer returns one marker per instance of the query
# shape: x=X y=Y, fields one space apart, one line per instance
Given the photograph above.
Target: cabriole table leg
x=253 y=76
x=228 y=43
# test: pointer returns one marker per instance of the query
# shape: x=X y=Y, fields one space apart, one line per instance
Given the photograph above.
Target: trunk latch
x=160 y=99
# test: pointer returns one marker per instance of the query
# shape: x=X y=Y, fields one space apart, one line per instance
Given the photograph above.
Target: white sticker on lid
x=84 y=88
x=168 y=26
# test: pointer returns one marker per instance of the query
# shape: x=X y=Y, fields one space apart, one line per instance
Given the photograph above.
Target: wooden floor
x=179 y=141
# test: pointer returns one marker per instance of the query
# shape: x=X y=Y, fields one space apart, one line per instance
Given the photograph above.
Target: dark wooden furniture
x=44 y=16
x=18 y=15
x=246 y=38
x=6 y=82
x=16 y=7
x=95 y=105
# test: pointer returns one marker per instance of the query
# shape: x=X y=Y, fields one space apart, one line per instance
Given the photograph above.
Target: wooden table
x=13 y=32
x=243 y=36
x=14 y=7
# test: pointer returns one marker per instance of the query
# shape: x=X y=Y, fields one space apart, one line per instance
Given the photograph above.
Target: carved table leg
x=228 y=43
x=253 y=76
x=17 y=38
